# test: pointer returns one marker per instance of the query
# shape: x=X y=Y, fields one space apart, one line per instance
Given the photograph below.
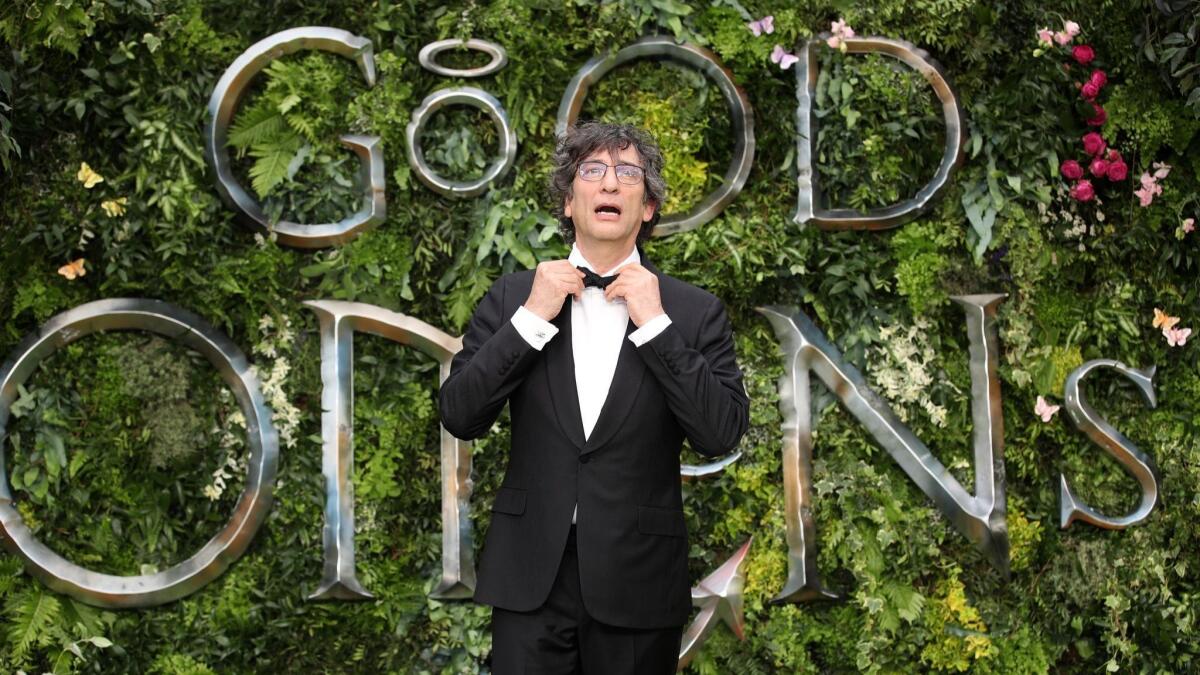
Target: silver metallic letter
x=465 y=96
x=224 y=103
x=981 y=518
x=1137 y=463
x=339 y=321
x=430 y=52
x=741 y=115
x=807 y=208
x=145 y=590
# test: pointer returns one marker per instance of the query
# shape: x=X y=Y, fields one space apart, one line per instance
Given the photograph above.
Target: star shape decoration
x=719 y=598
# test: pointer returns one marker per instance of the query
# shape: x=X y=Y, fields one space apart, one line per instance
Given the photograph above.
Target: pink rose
x=1093 y=143
x=1062 y=38
x=1083 y=54
x=1098 y=167
x=1089 y=91
x=1189 y=225
x=1071 y=28
x=1071 y=170
x=1114 y=156
x=1083 y=190
x=1117 y=170
x=1099 y=116
x=1098 y=78
x=1045 y=36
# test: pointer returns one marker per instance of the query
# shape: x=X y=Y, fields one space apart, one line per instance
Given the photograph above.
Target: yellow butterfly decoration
x=1163 y=320
x=87 y=176
x=73 y=269
x=114 y=207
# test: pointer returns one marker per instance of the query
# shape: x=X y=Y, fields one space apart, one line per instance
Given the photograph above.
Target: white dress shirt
x=597 y=327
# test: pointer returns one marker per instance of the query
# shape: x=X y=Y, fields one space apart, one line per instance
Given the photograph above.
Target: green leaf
x=271 y=165
x=30 y=616
x=290 y=101
x=56 y=453
x=255 y=125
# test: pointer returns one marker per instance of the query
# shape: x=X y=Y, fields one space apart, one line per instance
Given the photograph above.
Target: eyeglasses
x=628 y=174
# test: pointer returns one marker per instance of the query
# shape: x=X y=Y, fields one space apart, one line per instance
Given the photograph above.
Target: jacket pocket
x=510 y=501
x=665 y=522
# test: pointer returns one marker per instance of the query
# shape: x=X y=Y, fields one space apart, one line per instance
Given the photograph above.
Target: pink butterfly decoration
x=763 y=25
x=1044 y=410
x=1176 y=337
x=784 y=59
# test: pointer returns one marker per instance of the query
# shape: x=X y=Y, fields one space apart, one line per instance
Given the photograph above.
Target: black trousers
x=560 y=637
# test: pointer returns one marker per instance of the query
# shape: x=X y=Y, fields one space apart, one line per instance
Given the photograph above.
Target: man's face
x=608 y=211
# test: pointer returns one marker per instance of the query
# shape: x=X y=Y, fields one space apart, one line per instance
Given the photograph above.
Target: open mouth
x=608 y=209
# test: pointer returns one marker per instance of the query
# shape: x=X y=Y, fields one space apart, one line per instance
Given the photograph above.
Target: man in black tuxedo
x=585 y=561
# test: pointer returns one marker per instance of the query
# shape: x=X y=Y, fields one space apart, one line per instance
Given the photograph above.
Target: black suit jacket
x=631 y=536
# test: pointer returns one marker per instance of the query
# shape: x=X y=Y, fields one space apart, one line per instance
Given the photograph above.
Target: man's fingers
x=617 y=289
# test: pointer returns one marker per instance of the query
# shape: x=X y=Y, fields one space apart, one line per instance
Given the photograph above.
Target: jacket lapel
x=560 y=378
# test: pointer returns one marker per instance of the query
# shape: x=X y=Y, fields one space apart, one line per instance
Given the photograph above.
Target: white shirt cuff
x=650 y=330
x=536 y=330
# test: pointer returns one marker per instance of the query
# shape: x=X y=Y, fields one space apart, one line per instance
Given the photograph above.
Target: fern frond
x=30 y=616
x=271 y=165
x=10 y=570
x=255 y=125
x=303 y=126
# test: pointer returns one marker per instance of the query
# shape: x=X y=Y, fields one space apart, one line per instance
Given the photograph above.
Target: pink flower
x=1083 y=54
x=1114 y=156
x=1062 y=38
x=1099 y=116
x=763 y=25
x=1161 y=169
x=1044 y=410
x=1176 y=337
x=840 y=33
x=1149 y=189
x=1045 y=36
x=1098 y=78
x=1098 y=167
x=1117 y=169
x=1071 y=28
x=1083 y=190
x=1188 y=225
x=784 y=59
x=1089 y=91
x=1093 y=143
x=1071 y=170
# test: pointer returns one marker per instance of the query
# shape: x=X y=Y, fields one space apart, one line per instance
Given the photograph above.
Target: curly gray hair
x=581 y=141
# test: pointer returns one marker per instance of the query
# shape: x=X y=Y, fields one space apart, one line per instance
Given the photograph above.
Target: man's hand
x=639 y=288
x=553 y=281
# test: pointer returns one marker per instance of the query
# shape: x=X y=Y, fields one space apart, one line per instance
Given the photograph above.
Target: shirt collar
x=576 y=258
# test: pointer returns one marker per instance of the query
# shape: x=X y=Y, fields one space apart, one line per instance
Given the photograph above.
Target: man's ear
x=567 y=205
x=648 y=210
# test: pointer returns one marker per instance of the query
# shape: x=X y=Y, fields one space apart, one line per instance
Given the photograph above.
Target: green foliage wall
x=126 y=453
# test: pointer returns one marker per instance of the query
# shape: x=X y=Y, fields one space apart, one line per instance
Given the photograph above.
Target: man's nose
x=610 y=182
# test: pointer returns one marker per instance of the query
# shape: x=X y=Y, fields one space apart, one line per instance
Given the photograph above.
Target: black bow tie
x=591 y=279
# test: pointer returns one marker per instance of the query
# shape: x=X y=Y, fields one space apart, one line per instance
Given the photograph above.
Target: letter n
x=981 y=517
